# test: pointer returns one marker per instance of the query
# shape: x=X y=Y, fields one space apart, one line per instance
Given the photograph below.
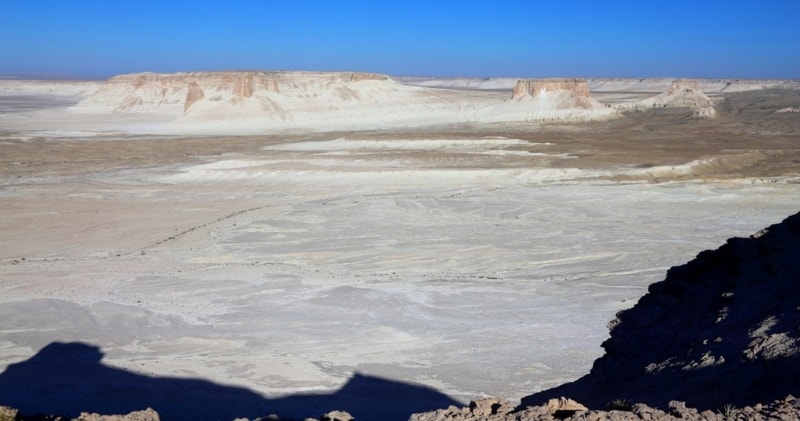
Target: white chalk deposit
x=251 y=102
x=292 y=270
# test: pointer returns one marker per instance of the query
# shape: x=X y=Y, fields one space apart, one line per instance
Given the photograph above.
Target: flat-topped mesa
x=684 y=84
x=537 y=87
x=183 y=92
x=549 y=100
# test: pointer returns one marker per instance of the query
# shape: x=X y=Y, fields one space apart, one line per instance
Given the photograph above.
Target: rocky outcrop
x=718 y=339
x=8 y=414
x=337 y=416
x=538 y=87
x=540 y=100
x=682 y=93
x=723 y=329
x=146 y=415
x=170 y=93
x=12 y=414
x=787 y=408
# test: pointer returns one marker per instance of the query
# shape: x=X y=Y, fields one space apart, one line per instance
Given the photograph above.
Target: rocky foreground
x=568 y=409
x=503 y=410
x=718 y=339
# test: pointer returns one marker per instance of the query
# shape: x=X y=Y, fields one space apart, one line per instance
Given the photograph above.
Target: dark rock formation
x=723 y=329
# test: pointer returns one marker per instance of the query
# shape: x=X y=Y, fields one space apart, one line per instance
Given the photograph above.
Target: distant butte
x=537 y=87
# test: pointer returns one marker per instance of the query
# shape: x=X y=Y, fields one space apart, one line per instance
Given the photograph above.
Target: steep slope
x=721 y=329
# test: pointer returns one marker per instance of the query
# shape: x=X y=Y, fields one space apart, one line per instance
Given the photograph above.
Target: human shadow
x=719 y=330
x=69 y=378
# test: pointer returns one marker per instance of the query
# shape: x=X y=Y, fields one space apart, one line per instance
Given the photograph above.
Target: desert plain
x=436 y=249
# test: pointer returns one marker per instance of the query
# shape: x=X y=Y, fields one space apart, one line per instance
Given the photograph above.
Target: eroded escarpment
x=550 y=100
x=538 y=87
x=149 y=92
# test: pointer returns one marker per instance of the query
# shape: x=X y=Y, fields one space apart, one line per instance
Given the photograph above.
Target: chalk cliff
x=535 y=88
x=254 y=101
x=550 y=99
x=152 y=92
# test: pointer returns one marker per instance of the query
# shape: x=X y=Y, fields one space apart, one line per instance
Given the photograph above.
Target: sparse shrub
x=619 y=405
x=728 y=411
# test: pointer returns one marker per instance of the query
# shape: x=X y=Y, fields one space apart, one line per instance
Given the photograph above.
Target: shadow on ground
x=69 y=378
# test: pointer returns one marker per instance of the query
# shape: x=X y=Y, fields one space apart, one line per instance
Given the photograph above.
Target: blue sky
x=88 y=38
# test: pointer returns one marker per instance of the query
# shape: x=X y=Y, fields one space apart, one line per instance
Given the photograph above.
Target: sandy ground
x=477 y=260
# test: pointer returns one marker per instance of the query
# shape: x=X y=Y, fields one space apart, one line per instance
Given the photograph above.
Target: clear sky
x=643 y=38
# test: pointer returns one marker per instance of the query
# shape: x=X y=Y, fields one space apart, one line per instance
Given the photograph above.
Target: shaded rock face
x=723 y=329
x=536 y=88
x=194 y=94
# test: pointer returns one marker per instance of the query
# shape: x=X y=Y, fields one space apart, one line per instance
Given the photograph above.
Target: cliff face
x=721 y=329
x=249 y=101
x=560 y=94
x=151 y=92
x=535 y=88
